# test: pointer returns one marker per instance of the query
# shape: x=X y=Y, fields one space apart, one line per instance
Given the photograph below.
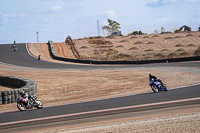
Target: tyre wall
x=55 y=56
x=73 y=48
x=17 y=83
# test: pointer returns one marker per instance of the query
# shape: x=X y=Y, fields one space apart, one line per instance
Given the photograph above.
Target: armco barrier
x=27 y=85
x=55 y=56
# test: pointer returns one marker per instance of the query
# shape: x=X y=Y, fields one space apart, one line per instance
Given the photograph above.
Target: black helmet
x=150 y=75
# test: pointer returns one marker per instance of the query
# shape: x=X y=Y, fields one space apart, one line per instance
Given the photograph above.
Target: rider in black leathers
x=153 y=78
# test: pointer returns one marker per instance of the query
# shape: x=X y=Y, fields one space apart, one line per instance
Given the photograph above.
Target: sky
x=20 y=20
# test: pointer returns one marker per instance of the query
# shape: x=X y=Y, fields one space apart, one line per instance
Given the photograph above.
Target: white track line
x=101 y=111
x=29 y=52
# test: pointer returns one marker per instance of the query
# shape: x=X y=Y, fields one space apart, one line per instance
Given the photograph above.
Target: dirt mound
x=105 y=51
x=148 y=50
x=83 y=47
x=100 y=42
x=138 y=43
x=145 y=37
x=165 y=50
x=183 y=54
x=172 y=55
x=178 y=37
x=178 y=50
x=111 y=37
x=155 y=36
x=119 y=46
x=188 y=35
x=191 y=45
x=124 y=56
x=123 y=41
x=159 y=55
x=151 y=42
x=102 y=46
x=179 y=45
x=111 y=51
x=134 y=48
x=133 y=37
x=168 y=38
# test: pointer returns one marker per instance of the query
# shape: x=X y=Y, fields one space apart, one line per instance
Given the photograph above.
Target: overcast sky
x=56 y=19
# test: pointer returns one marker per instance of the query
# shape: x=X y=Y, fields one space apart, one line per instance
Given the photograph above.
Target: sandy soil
x=69 y=86
x=139 y=47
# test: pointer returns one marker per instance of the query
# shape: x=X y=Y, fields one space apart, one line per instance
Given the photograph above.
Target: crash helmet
x=150 y=75
x=21 y=92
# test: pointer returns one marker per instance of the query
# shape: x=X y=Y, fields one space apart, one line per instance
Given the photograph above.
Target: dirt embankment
x=63 y=50
x=139 y=47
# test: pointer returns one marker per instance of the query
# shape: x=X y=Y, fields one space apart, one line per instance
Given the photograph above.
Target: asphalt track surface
x=22 y=58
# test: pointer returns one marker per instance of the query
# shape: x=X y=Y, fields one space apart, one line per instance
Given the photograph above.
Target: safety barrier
x=73 y=48
x=17 y=83
x=55 y=56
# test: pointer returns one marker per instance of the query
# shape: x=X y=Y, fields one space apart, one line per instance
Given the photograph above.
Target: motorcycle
x=15 y=49
x=39 y=57
x=156 y=86
x=22 y=102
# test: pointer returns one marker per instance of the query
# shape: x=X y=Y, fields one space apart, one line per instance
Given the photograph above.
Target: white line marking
x=100 y=111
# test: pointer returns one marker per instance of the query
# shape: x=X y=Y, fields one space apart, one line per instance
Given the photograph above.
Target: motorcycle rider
x=24 y=95
x=153 y=78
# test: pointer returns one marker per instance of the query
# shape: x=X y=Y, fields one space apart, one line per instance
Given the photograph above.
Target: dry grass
x=144 y=45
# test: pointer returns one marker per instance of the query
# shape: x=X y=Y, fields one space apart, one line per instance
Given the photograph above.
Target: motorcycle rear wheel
x=154 y=89
x=21 y=107
x=39 y=104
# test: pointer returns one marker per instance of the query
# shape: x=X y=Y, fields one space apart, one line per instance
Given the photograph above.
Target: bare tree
x=162 y=29
x=155 y=31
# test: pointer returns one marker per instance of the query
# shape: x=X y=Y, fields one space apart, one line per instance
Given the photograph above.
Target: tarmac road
x=22 y=58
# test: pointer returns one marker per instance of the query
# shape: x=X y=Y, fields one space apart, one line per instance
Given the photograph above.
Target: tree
x=112 y=26
x=162 y=29
x=156 y=31
x=199 y=28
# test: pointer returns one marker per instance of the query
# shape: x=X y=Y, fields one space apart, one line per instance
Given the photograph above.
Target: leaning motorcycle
x=156 y=86
x=22 y=102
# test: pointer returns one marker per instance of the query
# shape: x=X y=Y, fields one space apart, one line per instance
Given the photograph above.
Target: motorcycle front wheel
x=165 y=87
x=21 y=107
x=154 y=89
x=39 y=104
